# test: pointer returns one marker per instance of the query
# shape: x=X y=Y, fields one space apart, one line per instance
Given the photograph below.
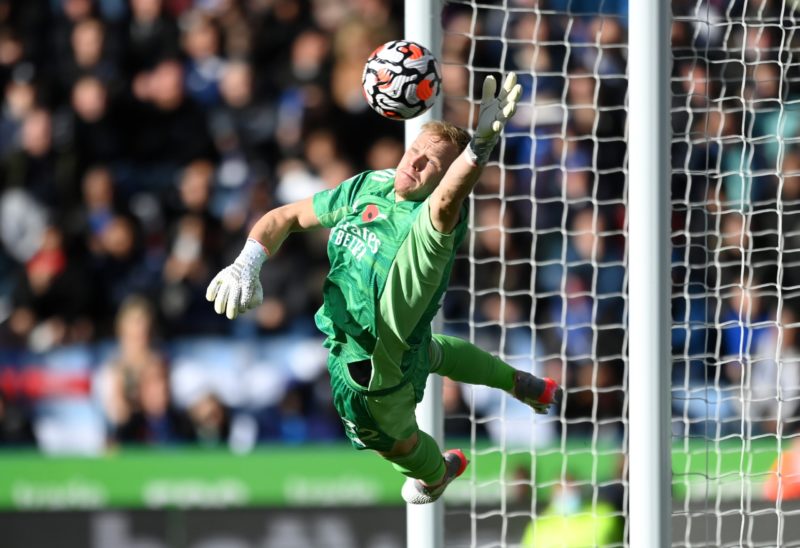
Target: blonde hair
x=448 y=132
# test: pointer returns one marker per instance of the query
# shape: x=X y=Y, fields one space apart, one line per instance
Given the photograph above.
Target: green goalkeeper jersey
x=365 y=248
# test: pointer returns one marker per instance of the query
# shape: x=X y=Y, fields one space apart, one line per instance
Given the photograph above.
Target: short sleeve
x=332 y=205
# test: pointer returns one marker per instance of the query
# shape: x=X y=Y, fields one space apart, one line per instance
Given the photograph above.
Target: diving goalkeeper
x=393 y=240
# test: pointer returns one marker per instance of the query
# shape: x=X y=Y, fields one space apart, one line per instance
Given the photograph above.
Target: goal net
x=542 y=281
x=735 y=191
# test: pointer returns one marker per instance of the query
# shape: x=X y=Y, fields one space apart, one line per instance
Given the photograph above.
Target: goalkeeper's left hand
x=492 y=117
x=237 y=288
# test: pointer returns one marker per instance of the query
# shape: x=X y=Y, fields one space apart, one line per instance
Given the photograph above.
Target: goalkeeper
x=393 y=239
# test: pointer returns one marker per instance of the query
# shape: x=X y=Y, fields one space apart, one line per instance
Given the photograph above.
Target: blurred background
x=139 y=139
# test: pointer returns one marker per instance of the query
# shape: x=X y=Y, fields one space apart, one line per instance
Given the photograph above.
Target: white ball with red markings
x=401 y=79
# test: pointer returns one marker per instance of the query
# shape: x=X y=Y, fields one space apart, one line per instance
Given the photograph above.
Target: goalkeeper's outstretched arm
x=237 y=288
x=463 y=173
x=275 y=225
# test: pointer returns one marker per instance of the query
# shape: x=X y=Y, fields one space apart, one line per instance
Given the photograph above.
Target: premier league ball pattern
x=401 y=80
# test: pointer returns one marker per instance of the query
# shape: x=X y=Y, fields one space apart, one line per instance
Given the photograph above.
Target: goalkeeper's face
x=423 y=166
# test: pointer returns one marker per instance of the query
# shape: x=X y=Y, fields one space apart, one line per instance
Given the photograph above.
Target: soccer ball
x=401 y=79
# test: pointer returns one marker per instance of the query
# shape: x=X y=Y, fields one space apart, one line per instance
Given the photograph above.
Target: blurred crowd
x=140 y=139
x=735 y=190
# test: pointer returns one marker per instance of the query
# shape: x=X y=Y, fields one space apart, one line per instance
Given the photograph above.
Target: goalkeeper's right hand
x=237 y=288
x=492 y=117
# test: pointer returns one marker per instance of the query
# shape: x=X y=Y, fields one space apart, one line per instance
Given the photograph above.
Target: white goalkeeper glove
x=492 y=117
x=237 y=288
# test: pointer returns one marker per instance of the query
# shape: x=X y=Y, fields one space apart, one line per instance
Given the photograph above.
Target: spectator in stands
x=154 y=419
x=787 y=190
x=303 y=417
x=137 y=348
x=461 y=421
x=499 y=250
x=743 y=322
x=98 y=208
x=528 y=30
x=151 y=36
x=42 y=169
x=608 y=58
x=90 y=57
x=66 y=19
x=237 y=24
x=16 y=427
x=773 y=123
x=302 y=89
x=575 y=518
x=194 y=243
x=51 y=301
x=168 y=128
x=242 y=127
x=743 y=343
x=594 y=256
x=773 y=399
x=19 y=101
x=93 y=124
x=119 y=267
x=595 y=406
x=12 y=54
x=211 y=420
x=205 y=66
x=192 y=192
x=274 y=31
x=350 y=47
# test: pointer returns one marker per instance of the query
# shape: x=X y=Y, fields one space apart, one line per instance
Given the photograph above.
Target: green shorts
x=380 y=411
x=373 y=419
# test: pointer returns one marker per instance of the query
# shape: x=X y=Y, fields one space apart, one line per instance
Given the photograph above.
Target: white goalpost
x=425 y=524
x=648 y=276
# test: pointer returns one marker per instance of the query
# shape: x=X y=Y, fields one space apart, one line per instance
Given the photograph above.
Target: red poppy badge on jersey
x=371 y=212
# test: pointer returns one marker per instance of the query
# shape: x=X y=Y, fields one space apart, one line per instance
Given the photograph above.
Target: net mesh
x=541 y=280
x=735 y=161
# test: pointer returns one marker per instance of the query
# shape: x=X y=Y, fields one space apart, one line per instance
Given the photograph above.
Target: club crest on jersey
x=370 y=213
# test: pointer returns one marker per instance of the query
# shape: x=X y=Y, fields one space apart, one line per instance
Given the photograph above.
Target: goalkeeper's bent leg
x=462 y=361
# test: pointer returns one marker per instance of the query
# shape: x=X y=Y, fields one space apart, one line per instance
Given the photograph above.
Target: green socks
x=464 y=362
x=425 y=462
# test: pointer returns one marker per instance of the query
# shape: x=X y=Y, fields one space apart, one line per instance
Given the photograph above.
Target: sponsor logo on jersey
x=357 y=239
